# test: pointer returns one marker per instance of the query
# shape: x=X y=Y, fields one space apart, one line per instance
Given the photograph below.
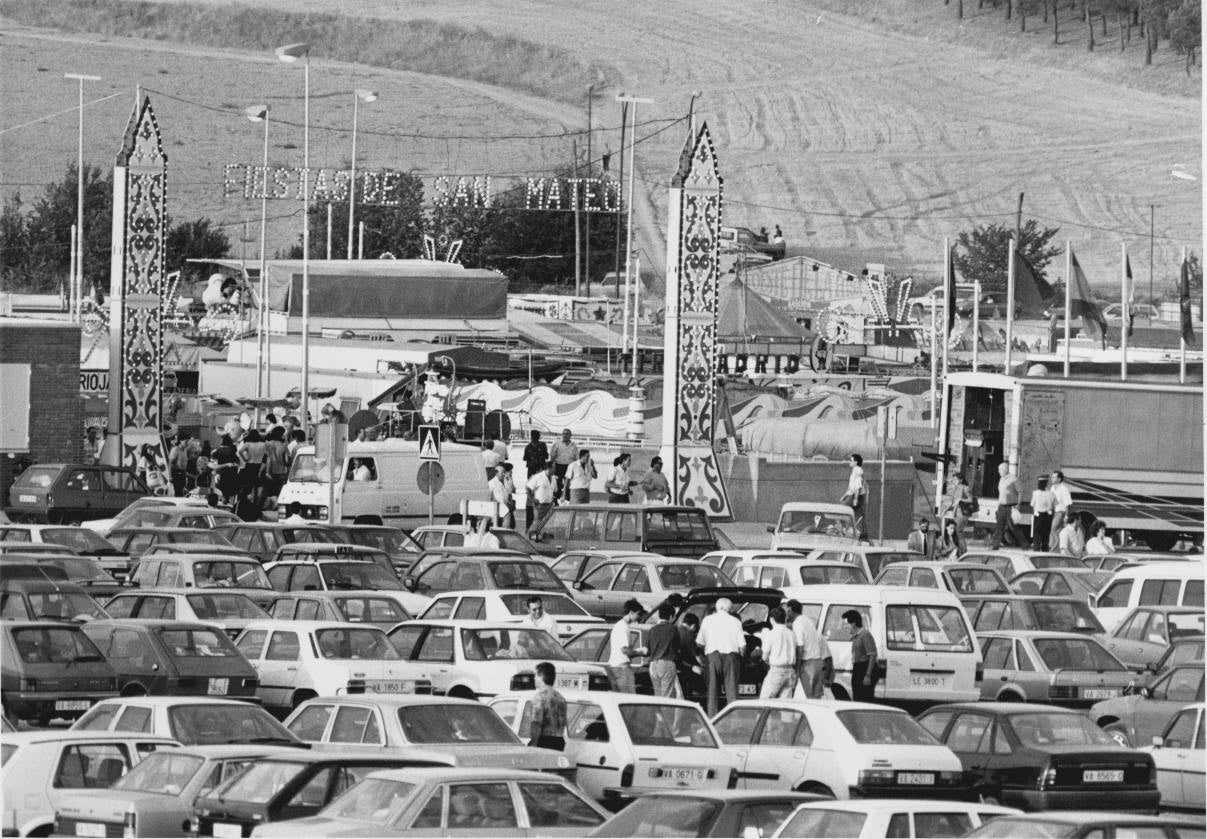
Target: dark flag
x=1031 y=292
x=1082 y=305
x=1184 y=305
x=1129 y=295
x=949 y=292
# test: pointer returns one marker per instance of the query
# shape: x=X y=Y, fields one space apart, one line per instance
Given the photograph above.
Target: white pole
x=948 y=304
x=1068 y=302
x=328 y=230
x=1010 y=308
x=1182 y=339
x=305 y=394
x=79 y=172
x=1127 y=307
x=75 y=302
x=976 y=324
x=352 y=176
x=628 y=250
x=934 y=364
x=262 y=356
x=636 y=311
x=624 y=322
x=360 y=246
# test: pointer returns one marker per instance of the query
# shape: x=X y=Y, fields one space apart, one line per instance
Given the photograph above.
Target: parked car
x=169 y=657
x=68 y=493
x=83 y=571
x=315 y=551
x=1060 y=582
x=1088 y=825
x=451 y=802
x=788 y=571
x=401 y=546
x=42 y=768
x=1150 y=584
x=871 y=558
x=473 y=659
x=383 y=609
x=572 y=566
x=1181 y=761
x=432 y=536
x=286 y=787
x=179 y=548
x=443 y=729
x=964 y=581
x=809 y=524
x=155 y=798
x=837 y=750
x=511 y=607
x=50 y=670
x=261 y=539
x=189 y=516
x=205 y=571
x=670 y=531
x=1017 y=611
x=192 y=720
x=1010 y=562
x=1146 y=632
x=1039 y=757
x=454 y=569
x=1134 y=719
x=230 y=610
x=78 y=540
x=879 y=819
x=126 y=515
x=42 y=599
x=711 y=813
x=728 y=558
x=298 y=660
x=1064 y=668
x=649 y=580
x=134 y=541
x=626 y=745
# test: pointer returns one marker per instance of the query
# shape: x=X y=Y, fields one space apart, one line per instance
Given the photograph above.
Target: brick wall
x=52 y=349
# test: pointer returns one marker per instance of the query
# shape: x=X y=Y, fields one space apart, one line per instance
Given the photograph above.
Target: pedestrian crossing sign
x=429 y=442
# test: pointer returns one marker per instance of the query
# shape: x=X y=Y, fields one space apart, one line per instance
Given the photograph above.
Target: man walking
x=579 y=477
x=541 y=492
x=178 y=464
x=663 y=640
x=656 y=489
x=548 y=729
x=812 y=651
x=779 y=651
x=497 y=487
x=723 y=641
x=1007 y=503
x=620 y=664
x=563 y=453
x=857 y=492
x=863 y=658
x=1062 y=499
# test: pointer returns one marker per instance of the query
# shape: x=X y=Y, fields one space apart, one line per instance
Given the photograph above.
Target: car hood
x=109 y=805
x=1069 y=750
x=501 y=756
x=319 y=826
x=1119 y=706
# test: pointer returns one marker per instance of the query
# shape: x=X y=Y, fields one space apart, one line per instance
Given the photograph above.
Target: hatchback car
x=83 y=571
x=163 y=502
x=230 y=610
x=1010 y=562
x=383 y=609
x=728 y=558
x=135 y=541
x=1038 y=757
x=511 y=607
x=1063 y=668
x=315 y=551
x=649 y=580
x=1089 y=825
x=574 y=565
x=964 y=581
x=451 y=802
x=787 y=572
x=880 y=819
x=871 y=558
x=670 y=531
x=837 y=749
x=261 y=539
x=1181 y=760
x=206 y=571
x=1060 y=582
x=1144 y=712
x=78 y=540
x=458 y=570
x=42 y=599
x=50 y=670
x=167 y=657
x=190 y=516
x=434 y=536
x=400 y=546
x=1146 y=632
x=711 y=813
x=1017 y=611
x=68 y=493
x=192 y=720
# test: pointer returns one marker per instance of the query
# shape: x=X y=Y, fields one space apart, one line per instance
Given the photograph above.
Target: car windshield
x=659 y=815
x=554 y=604
x=823 y=824
x=196 y=537
x=816 y=575
x=369 y=801
x=515 y=542
x=689 y=575
x=1035 y=827
x=216 y=607
x=197 y=643
x=452 y=724
x=307 y=469
x=1045 y=563
x=78 y=539
x=1184 y=653
x=358 y=576
x=1065 y=616
x=37 y=477
x=64 y=605
x=163 y=772
x=1048 y=729
x=355 y=643
x=677 y=526
x=885 y=727
x=811 y=521
x=533 y=574
x=525 y=644
x=938 y=628
x=667 y=725
x=260 y=782
x=233 y=722
x=977 y=581
x=230 y=572
x=1075 y=654
x=54 y=645
x=78 y=567
x=390 y=541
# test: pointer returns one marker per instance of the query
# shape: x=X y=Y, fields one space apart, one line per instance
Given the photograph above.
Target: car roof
x=186 y=590
x=33 y=584
x=441 y=774
x=338 y=594
x=1079 y=817
x=51 y=735
x=499 y=592
x=654 y=559
x=741 y=795
x=222 y=751
x=205 y=556
x=603 y=697
x=173 y=701
x=1169 y=610
x=463 y=553
x=818 y=506
x=1007 y=708
x=611 y=553
x=820 y=704
x=306 y=626
x=151 y=528
x=151 y=623
x=851 y=593
x=1029 y=598
x=326 y=548
x=917 y=805
x=1033 y=633
x=398 y=699
x=11 y=625
x=747 y=553
x=272 y=525
x=462 y=623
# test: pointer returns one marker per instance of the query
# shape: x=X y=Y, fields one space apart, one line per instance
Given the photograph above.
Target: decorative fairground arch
x=689 y=380
x=136 y=285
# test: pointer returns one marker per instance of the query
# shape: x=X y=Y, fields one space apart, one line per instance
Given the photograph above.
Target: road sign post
x=430 y=480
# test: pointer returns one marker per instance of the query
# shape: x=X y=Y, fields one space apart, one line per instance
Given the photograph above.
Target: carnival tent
x=747 y=315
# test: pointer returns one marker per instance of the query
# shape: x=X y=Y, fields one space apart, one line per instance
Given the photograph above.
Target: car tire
x=462 y=692
x=134 y=690
x=1010 y=696
x=1118 y=733
x=817 y=789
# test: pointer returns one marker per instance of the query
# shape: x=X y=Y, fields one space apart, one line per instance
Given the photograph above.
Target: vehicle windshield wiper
x=89 y=657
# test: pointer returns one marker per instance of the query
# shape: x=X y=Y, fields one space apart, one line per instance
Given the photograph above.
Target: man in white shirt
x=856 y=493
x=1062 y=499
x=812 y=651
x=779 y=651
x=538 y=618
x=490 y=459
x=497 y=487
x=579 y=477
x=620 y=654
x=723 y=641
x=541 y=491
x=295 y=514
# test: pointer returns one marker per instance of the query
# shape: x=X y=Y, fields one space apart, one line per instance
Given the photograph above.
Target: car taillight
x=1047 y=778
x=28 y=684
x=599 y=681
x=626 y=775
x=523 y=681
x=129 y=823
x=49 y=500
x=875 y=777
x=194 y=825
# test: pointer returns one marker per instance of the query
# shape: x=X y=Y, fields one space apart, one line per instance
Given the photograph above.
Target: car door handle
x=291 y=667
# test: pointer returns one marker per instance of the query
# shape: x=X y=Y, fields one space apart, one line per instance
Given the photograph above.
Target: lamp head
x=1181 y=174
x=256 y=113
x=365 y=95
x=292 y=52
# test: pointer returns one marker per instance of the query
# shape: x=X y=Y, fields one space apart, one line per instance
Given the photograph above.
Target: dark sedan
x=1017 y=611
x=1039 y=757
x=712 y=813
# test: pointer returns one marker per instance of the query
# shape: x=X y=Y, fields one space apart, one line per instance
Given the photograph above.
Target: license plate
x=72 y=705
x=1099 y=693
x=390 y=686
x=572 y=682
x=922 y=779
x=89 y=829
x=924 y=680
x=30 y=499
x=219 y=687
x=1102 y=776
x=680 y=774
x=224 y=830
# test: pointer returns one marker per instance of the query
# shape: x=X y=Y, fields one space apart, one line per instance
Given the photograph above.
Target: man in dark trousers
x=863 y=658
x=663 y=641
x=1008 y=490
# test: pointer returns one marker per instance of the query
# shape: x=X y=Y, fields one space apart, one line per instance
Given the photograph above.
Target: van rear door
x=677 y=532
x=930 y=653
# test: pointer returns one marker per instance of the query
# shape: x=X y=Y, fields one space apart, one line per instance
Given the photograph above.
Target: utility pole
x=590 y=173
x=628 y=249
x=1018 y=222
x=1152 y=230
x=624 y=112
x=578 y=270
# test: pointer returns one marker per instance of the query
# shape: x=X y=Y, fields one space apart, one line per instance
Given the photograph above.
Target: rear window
x=936 y=628
x=555 y=604
x=248 y=574
x=454 y=724
x=37 y=477
x=691 y=575
x=78 y=539
x=359 y=576
x=824 y=824
x=535 y=575
x=677 y=525
x=355 y=644
x=7 y=750
x=210 y=607
x=666 y=725
x=1064 y=616
x=54 y=645
x=197 y=643
x=885 y=727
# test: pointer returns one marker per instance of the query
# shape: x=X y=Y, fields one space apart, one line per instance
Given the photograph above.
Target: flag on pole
x=949 y=293
x=1082 y=305
x=1129 y=294
x=1030 y=290
x=1184 y=304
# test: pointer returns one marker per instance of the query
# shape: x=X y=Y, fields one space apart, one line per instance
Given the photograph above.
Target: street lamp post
x=359 y=95
x=289 y=54
x=78 y=294
x=691 y=112
x=259 y=113
x=628 y=250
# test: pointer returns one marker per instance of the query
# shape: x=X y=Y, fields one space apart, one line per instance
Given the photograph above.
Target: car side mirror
x=770 y=529
x=1146 y=693
x=408 y=583
x=1158 y=741
x=579 y=585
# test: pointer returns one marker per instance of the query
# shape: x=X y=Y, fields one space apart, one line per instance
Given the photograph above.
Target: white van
x=924 y=642
x=1150 y=584
x=390 y=493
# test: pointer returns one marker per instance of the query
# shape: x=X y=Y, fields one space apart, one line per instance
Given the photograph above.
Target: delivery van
x=376 y=483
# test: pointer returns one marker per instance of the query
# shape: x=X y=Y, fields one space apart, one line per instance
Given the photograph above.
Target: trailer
x=1131 y=451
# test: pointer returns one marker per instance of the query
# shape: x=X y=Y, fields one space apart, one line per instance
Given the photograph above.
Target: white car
x=727 y=559
x=871 y=558
x=838 y=749
x=473 y=659
x=626 y=745
x=78 y=540
x=511 y=607
x=299 y=660
x=103 y=526
x=788 y=573
x=192 y=720
x=231 y=610
x=901 y=819
x=813 y=524
x=1181 y=761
